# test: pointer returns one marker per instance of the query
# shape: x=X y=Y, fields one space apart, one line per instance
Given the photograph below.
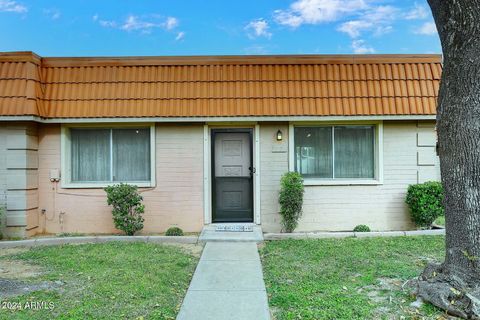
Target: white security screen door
x=232 y=175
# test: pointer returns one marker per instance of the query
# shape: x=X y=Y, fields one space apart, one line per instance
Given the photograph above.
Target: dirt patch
x=193 y=249
x=387 y=295
x=12 y=251
x=11 y=288
x=274 y=311
x=380 y=292
x=17 y=276
x=16 y=269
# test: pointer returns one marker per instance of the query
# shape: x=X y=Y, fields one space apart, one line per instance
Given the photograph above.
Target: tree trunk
x=455 y=284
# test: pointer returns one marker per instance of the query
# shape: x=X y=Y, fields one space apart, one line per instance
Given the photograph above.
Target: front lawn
x=347 y=278
x=105 y=281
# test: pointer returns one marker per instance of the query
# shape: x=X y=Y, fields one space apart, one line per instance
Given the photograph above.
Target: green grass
x=440 y=221
x=342 y=278
x=109 y=281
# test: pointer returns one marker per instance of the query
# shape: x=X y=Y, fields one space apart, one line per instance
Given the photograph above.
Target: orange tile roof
x=209 y=86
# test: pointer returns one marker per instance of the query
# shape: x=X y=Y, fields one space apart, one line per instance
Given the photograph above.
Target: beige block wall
x=273 y=163
x=177 y=198
x=409 y=158
x=3 y=173
x=18 y=178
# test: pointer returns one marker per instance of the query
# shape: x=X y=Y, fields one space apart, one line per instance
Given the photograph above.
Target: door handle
x=252 y=169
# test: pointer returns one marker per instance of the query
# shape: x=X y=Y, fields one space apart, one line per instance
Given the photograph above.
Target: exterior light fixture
x=279 y=135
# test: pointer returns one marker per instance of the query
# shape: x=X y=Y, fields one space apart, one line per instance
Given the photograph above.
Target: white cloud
x=132 y=23
x=139 y=24
x=354 y=28
x=360 y=47
x=12 y=6
x=171 y=23
x=288 y=19
x=258 y=28
x=377 y=20
x=107 y=23
x=317 y=11
x=428 y=29
x=52 y=13
x=381 y=14
x=180 y=36
x=354 y=17
x=418 y=12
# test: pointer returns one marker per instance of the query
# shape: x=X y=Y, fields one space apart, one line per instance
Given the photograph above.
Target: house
x=207 y=138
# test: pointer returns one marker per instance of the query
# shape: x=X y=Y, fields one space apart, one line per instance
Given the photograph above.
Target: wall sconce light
x=279 y=135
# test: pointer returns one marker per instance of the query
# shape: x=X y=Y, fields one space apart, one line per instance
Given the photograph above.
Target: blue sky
x=196 y=27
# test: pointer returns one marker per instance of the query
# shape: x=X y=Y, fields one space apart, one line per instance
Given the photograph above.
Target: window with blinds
x=110 y=155
x=335 y=152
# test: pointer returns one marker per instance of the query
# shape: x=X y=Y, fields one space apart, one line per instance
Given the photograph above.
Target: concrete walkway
x=227 y=284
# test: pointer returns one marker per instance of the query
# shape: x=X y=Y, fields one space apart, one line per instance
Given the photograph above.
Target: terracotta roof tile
x=218 y=86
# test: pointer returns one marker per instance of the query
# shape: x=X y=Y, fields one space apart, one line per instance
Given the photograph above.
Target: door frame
x=254 y=129
x=213 y=133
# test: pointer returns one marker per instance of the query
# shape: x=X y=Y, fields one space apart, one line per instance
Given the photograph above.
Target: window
x=99 y=156
x=335 y=152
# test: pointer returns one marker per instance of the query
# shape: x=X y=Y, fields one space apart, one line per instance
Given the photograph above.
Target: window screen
x=335 y=152
x=107 y=155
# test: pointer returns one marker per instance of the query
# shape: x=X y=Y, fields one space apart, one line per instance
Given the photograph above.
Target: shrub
x=127 y=207
x=291 y=200
x=425 y=201
x=361 y=228
x=174 y=231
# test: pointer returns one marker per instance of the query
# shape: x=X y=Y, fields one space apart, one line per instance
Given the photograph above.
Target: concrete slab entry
x=210 y=233
x=227 y=284
x=234 y=227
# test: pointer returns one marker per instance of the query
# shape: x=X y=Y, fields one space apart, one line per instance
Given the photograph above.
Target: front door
x=232 y=175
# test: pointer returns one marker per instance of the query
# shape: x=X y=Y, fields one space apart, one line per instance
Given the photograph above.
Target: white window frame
x=378 y=147
x=65 y=152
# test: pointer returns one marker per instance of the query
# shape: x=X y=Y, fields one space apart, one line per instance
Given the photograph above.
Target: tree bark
x=455 y=284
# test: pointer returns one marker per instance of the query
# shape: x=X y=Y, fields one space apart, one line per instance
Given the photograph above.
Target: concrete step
x=253 y=234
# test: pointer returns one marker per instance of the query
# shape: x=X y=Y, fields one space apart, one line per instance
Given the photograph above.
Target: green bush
x=425 y=201
x=127 y=207
x=291 y=200
x=174 y=231
x=361 y=228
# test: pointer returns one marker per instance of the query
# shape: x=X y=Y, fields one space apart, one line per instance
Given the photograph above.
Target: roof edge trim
x=220 y=119
x=20 y=56
x=239 y=60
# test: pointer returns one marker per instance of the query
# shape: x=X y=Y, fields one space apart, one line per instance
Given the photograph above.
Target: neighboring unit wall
x=273 y=163
x=3 y=174
x=177 y=198
x=408 y=157
x=19 y=178
x=427 y=159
